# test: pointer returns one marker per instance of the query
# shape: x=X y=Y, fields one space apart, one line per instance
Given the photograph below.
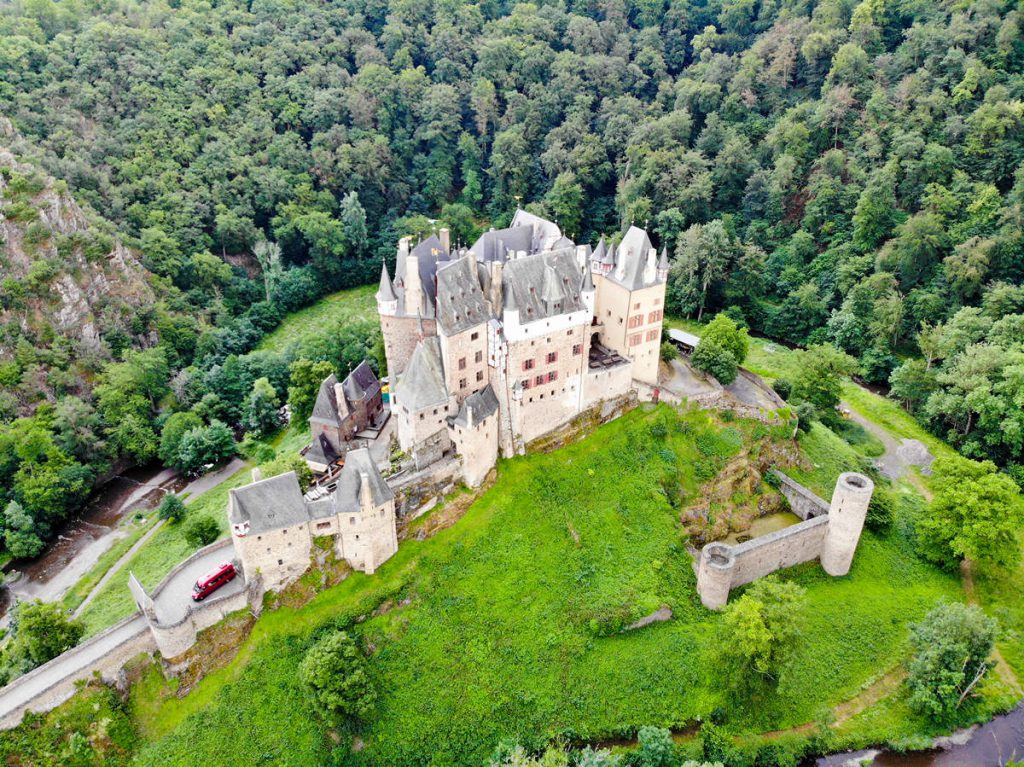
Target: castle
x=273 y=524
x=500 y=343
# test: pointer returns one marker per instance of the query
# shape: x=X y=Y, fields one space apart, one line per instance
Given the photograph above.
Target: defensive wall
x=172 y=638
x=828 y=532
x=49 y=685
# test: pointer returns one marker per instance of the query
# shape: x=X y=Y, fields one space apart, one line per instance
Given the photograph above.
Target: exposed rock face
x=62 y=273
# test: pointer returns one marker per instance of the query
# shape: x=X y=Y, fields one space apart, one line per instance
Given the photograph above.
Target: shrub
x=669 y=351
x=806 y=415
x=880 y=510
x=951 y=648
x=783 y=387
x=171 y=508
x=201 y=531
x=43 y=631
x=334 y=671
x=715 y=360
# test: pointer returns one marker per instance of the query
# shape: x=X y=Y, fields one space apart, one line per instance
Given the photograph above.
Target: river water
x=105 y=519
x=988 y=745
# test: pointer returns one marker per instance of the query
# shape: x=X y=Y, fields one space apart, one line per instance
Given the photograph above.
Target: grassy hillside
x=307 y=326
x=501 y=625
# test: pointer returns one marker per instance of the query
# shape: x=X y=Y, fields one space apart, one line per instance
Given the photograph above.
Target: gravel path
x=899 y=455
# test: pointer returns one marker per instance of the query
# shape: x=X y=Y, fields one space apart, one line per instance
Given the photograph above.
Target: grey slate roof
x=346 y=496
x=386 y=291
x=483 y=404
x=361 y=383
x=428 y=253
x=495 y=245
x=321 y=451
x=587 y=285
x=325 y=410
x=599 y=252
x=268 y=504
x=422 y=384
x=543 y=286
x=460 y=300
x=632 y=258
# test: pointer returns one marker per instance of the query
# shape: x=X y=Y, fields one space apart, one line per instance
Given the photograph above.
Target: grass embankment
x=309 y=325
x=168 y=546
x=511 y=627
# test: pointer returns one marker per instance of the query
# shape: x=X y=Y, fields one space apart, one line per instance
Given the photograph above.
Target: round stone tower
x=846 y=516
x=714 y=575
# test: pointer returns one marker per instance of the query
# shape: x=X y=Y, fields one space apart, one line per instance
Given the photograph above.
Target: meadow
x=508 y=625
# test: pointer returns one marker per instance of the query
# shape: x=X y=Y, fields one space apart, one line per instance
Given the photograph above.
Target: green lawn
x=507 y=630
x=307 y=325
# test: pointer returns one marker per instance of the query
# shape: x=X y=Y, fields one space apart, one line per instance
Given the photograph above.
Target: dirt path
x=900 y=454
x=1005 y=671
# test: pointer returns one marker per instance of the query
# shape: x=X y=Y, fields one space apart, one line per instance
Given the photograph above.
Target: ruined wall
x=830 y=534
x=802 y=501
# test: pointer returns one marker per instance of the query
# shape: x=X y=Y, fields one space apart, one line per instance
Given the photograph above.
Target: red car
x=212 y=581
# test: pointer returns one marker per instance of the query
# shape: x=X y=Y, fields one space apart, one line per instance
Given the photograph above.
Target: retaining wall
x=802 y=501
x=49 y=685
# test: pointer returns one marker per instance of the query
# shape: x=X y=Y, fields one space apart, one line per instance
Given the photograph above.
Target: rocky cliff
x=69 y=291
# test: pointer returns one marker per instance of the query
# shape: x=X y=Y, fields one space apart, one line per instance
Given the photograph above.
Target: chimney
x=413 y=286
x=446 y=239
x=651 y=267
x=472 y=266
x=339 y=397
x=496 y=269
x=365 y=495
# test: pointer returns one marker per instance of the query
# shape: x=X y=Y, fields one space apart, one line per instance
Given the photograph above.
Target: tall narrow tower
x=846 y=516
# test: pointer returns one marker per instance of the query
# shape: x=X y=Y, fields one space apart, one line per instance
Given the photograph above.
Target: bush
x=171 y=508
x=201 y=531
x=715 y=360
x=334 y=671
x=43 y=631
x=806 y=415
x=783 y=388
x=951 y=648
x=881 y=510
x=669 y=351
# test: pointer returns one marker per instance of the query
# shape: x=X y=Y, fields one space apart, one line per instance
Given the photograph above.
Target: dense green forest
x=839 y=171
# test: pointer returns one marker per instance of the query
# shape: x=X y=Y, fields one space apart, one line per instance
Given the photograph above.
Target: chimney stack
x=446 y=240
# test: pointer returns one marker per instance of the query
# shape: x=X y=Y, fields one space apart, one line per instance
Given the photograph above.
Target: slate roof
x=587 y=285
x=460 y=299
x=428 y=253
x=346 y=496
x=631 y=259
x=325 y=410
x=422 y=384
x=361 y=383
x=321 y=451
x=386 y=291
x=483 y=404
x=542 y=286
x=495 y=245
x=268 y=504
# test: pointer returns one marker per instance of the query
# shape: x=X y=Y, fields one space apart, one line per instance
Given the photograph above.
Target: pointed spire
x=663 y=263
x=386 y=292
x=588 y=280
x=599 y=252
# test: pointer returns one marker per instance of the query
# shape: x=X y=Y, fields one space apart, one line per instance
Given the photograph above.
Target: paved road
x=687 y=382
x=37 y=682
x=173 y=602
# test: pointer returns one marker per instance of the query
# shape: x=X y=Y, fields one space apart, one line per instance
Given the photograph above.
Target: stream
x=988 y=745
x=84 y=539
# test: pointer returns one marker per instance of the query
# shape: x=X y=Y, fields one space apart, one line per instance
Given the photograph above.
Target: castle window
x=259 y=537
x=577 y=349
x=322 y=525
x=552 y=376
x=280 y=561
x=635 y=339
x=526 y=385
x=351 y=520
x=474 y=336
x=421 y=416
x=479 y=357
x=636 y=305
x=569 y=332
x=357 y=537
x=462 y=383
x=654 y=316
x=479 y=375
x=652 y=334
x=538 y=380
x=552 y=356
x=657 y=302
x=528 y=364
x=462 y=363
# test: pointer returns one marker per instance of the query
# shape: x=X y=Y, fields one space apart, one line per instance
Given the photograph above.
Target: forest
x=830 y=172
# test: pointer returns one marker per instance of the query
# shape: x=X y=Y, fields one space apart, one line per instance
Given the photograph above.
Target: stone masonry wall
x=802 y=501
x=790 y=546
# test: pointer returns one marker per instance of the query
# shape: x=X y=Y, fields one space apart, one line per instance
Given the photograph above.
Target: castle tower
x=714 y=575
x=846 y=516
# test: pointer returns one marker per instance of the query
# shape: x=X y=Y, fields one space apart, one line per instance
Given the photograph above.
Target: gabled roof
x=460 y=300
x=555 y=275
x=422 y=384
x=544 y=234
x=361 y=383
x=496 y=244
x=632 y=258
x=325 y=410
x=359 y=463
x=428 y=253
x=268 y=504
x=483 y=405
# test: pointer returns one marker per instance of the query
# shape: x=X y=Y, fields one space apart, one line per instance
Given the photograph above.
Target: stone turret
x=387 y=299
x=846 y=517
x=663 y=265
